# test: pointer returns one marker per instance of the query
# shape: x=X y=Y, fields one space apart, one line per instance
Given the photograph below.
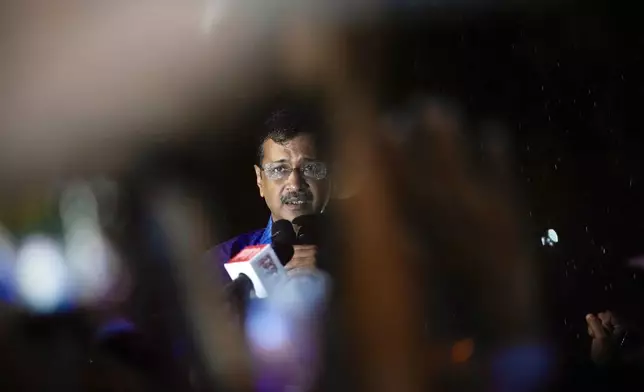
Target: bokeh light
x=91 y=260
x=266 y=329
x=41 y=275
x=550 y=239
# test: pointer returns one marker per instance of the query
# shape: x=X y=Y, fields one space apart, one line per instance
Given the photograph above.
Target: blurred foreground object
x=66 y=263
x=422 y=208
x=89 y=87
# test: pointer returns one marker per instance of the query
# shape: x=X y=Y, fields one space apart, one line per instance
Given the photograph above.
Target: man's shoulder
x=225 y=250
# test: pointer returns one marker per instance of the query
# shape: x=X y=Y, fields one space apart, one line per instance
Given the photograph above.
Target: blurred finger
x=616 y=324
x=442 y=144
x=300 y=263
x=495 y=142
x=383 y=322
x=218 y=339
x=304 y=256
x=595 y=326
x=302 y=249
x=606 y=319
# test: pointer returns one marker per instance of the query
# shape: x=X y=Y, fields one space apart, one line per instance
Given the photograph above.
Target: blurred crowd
x=134 y=133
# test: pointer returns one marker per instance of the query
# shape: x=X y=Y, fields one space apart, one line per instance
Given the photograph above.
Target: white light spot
x=90 y=262
x=78 y=203
x=550 y=239
x=41 y=274
x=92 y=267
x=553 y=235
x=267 y=329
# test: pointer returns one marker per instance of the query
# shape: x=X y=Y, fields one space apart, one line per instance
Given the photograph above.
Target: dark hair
x=286 y=124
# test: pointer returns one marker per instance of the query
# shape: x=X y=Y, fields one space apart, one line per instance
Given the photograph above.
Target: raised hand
x=608 y=335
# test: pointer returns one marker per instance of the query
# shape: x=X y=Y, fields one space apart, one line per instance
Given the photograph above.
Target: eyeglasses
x=311 y=170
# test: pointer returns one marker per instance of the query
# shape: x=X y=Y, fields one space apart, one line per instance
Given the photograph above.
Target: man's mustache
x=303 y=195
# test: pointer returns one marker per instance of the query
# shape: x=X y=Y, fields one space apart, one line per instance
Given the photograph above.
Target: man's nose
x=295 y=179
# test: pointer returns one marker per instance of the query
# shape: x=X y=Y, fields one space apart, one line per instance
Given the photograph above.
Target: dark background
x=567 y=84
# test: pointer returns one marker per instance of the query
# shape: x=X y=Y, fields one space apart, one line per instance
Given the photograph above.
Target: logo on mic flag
x=268 y=265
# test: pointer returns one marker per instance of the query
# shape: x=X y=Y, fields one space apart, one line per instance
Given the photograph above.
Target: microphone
x=282 y=232
x=261 y=266
x=308 y=232
x=283 y=238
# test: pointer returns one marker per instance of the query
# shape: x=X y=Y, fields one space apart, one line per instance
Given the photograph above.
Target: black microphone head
x=307 y=220
x=283 y=238
x=282 y=232
x=308 y=232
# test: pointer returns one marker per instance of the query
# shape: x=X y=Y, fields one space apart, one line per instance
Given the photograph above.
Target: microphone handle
x=239 y=292
x=283 y=251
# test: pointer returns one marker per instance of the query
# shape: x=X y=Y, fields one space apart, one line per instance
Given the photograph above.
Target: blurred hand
x=304 y=256
x=607 y=333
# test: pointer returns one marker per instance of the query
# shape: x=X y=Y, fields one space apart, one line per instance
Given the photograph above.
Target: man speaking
x=292 y=177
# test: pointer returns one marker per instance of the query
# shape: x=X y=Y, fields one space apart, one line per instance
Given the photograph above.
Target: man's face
x=291 y=179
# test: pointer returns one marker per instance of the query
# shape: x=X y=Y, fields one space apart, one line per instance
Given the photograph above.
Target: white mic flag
x=261 y=265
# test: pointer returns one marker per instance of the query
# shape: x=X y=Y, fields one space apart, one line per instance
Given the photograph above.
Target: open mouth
x=296 y=199
x=295 y=202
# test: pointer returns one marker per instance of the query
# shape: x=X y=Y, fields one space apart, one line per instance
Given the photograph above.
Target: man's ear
x=259 y=180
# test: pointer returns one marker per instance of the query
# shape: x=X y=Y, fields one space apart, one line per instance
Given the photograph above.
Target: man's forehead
x=300 y=147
